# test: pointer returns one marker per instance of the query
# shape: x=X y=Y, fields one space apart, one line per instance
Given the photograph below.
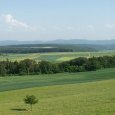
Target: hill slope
x=86 y=98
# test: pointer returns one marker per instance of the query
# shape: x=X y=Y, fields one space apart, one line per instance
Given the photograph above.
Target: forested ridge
x=81 y=64
x=43 y=48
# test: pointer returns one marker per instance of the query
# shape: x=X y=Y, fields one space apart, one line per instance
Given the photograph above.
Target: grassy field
x=87 y=93
x=55 y=57
x=21 y=82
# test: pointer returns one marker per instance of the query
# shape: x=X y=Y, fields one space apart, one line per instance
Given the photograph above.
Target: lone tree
x=31 y=100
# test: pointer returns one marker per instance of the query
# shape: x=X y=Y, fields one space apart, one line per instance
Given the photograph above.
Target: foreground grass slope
x=91 y=98
x=21 y=82
x=86 y=93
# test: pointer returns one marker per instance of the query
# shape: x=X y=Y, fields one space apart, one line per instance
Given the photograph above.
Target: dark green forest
x=31 y=67
x=43 y=48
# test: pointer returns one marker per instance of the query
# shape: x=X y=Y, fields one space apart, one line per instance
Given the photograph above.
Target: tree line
x=24 y=50
x=44 y=48
x=31 y=67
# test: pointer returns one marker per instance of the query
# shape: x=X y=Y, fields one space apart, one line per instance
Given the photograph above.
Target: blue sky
x=57 y=19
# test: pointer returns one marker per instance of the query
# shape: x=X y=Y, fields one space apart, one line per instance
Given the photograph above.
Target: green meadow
x=54 y=57
x=85 y=93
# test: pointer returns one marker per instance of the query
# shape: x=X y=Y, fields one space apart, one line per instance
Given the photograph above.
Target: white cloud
x=109 y=26
x=14 y=23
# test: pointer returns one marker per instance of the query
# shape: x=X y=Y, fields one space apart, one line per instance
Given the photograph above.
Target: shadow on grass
x=19 y=109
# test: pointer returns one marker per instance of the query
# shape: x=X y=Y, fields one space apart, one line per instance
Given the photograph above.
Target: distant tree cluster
x=24 y=50
x=44 y=48
x=30 y=67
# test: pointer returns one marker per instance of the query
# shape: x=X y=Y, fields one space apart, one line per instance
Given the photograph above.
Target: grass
x=85 y=93
x=21 y=82
x=54 y=57
x=91 y=98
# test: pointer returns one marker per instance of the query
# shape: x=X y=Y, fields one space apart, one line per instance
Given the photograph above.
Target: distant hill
x=56 y=46
x=59 y=41
x=82 y=41
x=16 y=42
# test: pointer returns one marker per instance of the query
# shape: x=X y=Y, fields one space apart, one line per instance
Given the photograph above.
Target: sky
x=57 y=19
